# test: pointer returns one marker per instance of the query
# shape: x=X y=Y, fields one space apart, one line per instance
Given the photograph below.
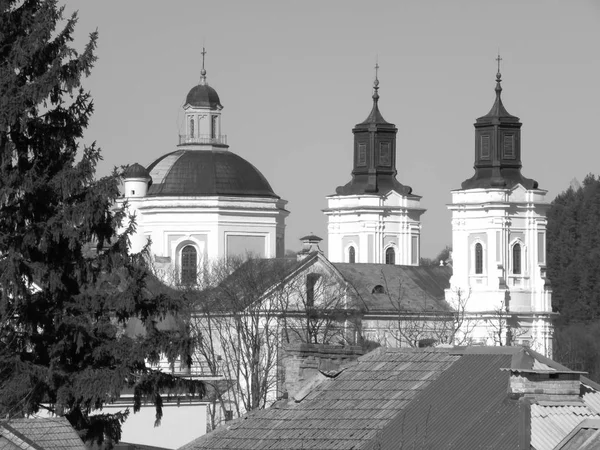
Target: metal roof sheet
x=341 y=413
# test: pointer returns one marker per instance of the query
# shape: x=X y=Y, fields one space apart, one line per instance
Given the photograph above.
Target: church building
x=499 y=239
x=202 y=200
x=374 y=218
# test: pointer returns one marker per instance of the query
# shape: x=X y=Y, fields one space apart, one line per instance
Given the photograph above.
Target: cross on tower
x=203 y=54
x=498 y=59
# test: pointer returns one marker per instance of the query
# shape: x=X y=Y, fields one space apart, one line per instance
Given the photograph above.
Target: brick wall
x=302 y=363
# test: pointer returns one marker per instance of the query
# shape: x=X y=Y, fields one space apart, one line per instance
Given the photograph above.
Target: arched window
x=516 y=259
x=213 y=127
x=351 y=255
x=189 y=263
x=191 y=127
x=390 y=256
x=478 y=258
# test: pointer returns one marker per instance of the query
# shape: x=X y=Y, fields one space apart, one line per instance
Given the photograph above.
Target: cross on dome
x=203 y=71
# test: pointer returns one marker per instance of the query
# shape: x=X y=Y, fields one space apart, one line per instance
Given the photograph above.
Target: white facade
x=202 y=200
x=487 y=226
x=373 y=226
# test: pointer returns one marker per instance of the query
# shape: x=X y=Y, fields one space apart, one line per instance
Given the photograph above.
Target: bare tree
x=503 y=326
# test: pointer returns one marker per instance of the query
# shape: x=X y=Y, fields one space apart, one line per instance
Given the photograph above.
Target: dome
x=136 y=171
x=206 y=173
x=203 y=96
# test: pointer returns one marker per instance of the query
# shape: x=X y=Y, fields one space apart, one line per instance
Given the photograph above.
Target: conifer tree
x=68 y=286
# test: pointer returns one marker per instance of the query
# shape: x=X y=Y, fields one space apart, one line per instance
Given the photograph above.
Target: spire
x=374 y=169
x=376 y=83
x=498 y=148
x=498 y=77
x=203 y=71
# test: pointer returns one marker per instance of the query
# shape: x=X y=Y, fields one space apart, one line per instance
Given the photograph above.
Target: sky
x=295 y=77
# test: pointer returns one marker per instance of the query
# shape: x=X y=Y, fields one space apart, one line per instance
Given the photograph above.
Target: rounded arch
x=351 y=253
x=390 y=255
x=189 y=264
x=192 y=126
x=478 y=257
x=517 y=257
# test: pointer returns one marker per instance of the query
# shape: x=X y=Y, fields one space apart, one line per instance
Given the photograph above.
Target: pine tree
x=68 y=286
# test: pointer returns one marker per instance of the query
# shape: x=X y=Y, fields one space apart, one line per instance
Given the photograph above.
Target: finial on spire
x=498 y=75
x=203 y=71
x=376 y=82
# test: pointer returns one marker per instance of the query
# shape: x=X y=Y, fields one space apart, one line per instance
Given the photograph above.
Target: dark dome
x=202 y=95
x=136 y=171
x=206 y=172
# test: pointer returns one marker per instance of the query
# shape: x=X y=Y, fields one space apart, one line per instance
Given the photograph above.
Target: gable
x=392 y=288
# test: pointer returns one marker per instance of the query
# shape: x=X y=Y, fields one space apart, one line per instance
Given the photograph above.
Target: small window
x=478 y=258
x=516 y=256
x=362 y=155
x=384 y=154
x=509 y=146
x=311 y=281
x=485 y=147
x=192 y=127
x=189 y=263
x=213 y=128
x=351 y=255
x=379 y=289
x=228 y=415
x=390 y=256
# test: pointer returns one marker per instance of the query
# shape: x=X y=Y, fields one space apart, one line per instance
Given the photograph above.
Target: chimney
x=310 y=244
x=304 y=366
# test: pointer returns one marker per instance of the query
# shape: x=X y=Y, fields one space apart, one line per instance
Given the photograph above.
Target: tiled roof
x=41 y=434
x=344 y=412
x=417 y=288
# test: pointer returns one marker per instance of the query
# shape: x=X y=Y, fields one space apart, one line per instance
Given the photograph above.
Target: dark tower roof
x=206 y=173
x=203 y=96
x=498 y=148
x=374 y=170
x=136 y=171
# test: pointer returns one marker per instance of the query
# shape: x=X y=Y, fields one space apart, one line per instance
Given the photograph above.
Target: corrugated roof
x=41 y=434
x=466 y=407
x=345 y=412
x=551 y=423
x=585 y=436
x=408 y=288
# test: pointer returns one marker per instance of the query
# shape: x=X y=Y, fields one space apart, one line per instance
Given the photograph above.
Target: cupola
x=498 y=148
x=202 y=110
x=374 y=170
x=136 y=180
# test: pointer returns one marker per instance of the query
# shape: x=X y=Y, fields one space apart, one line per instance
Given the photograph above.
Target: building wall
x=497 y=220
x=371 y=224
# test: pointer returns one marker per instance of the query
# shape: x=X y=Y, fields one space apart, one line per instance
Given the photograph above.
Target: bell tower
x=374 y=218
x=499 y=236
x=202 y=111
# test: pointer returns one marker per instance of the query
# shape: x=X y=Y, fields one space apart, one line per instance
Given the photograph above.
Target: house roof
x=451 y=398
x=585 y=436
x=40 y=434
x=405 y=288
x=342 y=412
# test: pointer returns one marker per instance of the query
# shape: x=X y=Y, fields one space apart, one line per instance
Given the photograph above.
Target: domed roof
x=136 y=171
x=206 y=173
x=203 y=96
